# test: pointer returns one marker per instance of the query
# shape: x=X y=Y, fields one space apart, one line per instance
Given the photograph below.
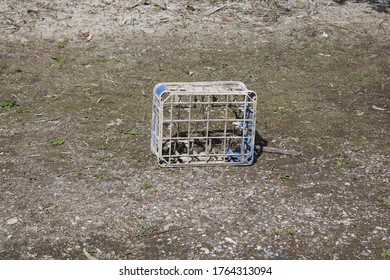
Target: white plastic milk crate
x=203 y=123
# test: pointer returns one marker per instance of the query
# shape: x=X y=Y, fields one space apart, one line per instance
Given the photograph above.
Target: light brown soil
x=322 y=74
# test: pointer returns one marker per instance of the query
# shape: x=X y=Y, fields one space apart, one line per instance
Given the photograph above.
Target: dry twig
x=164 y=231
x=136 y=4
x=221 y=7
x=277 y=151
x=146 y=2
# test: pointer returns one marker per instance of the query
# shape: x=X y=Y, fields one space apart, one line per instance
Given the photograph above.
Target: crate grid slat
x=209 y=123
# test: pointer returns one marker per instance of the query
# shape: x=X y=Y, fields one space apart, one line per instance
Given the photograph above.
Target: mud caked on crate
x=203 y=123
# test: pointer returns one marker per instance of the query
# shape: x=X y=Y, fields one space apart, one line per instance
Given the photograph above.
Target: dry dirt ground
x=76 y=171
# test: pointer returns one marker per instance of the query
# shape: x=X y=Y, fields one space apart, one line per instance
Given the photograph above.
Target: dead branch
x=164 y=231
x=221 y=7
x=267 y=11
x=384 y=28
x=73 y=171
x=162 y=7
x=148 y=2
x=344 y=28
x=277 y=151
x=136 y=4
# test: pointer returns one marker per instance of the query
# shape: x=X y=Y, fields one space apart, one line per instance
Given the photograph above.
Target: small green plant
x=382 y=83
x=100 y=176
x=8 y=104
x=149 y=188
x=57 y=141
x=289 y=231
x=385 y=253
x=320 y=162
x=360 y=78
x=131 y=22
x=189 y=72
x=223 y=64
x=163 y=169
x=103 y=158
x=285 y=176
x=152 y=191
x=135 y=158
x=22 y=110
x=263 y=173
x=91 y=250
x=102 y=147
x=145 y=230
x=59 y=58
x=89 y=91
x=274 y=16
x=386 y=202
x=320 y=138
x=117 y=61
x=184 y=22
x=277 y=232
x=295 y=106
x=101 y=60
x=340 y=161
x=62 y=43
x=146 y=185
x=282 y=110
x=267 y=60
x=131 y=133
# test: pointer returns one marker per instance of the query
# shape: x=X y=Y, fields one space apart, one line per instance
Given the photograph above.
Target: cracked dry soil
x=76 y=171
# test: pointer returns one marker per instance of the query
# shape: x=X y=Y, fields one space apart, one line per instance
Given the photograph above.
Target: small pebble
x=12 y=221
x=230 y=240
x=205 y=250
